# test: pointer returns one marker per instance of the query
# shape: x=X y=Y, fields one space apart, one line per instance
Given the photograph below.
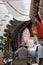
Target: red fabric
x=40 y=29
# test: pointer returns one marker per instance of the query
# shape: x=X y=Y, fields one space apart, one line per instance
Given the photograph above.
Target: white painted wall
x=23 y=6
x=4 y=18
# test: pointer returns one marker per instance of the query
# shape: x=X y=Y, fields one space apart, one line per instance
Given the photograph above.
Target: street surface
x=34 y=64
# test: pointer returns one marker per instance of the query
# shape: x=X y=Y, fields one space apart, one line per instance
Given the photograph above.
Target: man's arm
x=16 y=52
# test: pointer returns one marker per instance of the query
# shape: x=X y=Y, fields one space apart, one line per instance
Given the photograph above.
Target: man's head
x=41 y=44
x=40 y=41
x=22 y=45
x=1 y=49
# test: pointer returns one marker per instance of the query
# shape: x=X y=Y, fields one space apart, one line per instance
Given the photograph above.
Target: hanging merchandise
x=1 y=42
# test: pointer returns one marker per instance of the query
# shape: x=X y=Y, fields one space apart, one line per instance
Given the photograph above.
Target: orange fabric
x=40 y=29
